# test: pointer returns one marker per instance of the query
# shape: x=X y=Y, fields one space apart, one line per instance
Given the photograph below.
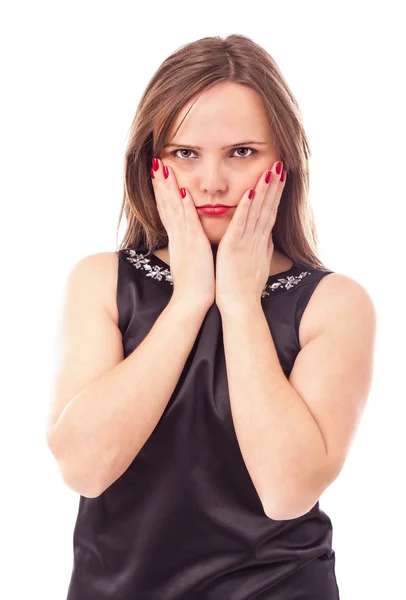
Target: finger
x=273 y=211
x=239 y=220
x=157 y=188
x=191 y=216
x=262 y=201
x=254 y=212
x=168 y=196
x=271 y=216
x=268 y=191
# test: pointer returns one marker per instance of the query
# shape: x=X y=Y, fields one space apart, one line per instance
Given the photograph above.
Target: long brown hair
x=192 y=69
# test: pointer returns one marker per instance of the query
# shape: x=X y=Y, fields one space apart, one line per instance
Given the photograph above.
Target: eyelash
x=174 y=153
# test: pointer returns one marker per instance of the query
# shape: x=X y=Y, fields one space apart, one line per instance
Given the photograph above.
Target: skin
x=216 y=175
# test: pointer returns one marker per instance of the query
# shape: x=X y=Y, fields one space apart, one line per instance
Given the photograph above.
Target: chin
x=214 y=239
x=215 y=230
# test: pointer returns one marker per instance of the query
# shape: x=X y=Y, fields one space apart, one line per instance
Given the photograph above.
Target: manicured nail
x=251 y=194
x=152 y=173
x=155 y=164
x=166 y=172
x=278 y=167
x=268 y=176
x=283 y=176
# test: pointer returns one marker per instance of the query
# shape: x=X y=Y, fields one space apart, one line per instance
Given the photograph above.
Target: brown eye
x=244 y=148
x=175 y=152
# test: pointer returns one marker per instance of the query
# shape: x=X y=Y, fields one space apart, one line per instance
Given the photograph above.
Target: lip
x=213 y=206
x=213 y=210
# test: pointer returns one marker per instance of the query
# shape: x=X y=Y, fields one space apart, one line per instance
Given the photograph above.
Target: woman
x=213 y=370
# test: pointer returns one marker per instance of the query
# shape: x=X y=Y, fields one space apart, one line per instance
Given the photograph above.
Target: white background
x=72 y=74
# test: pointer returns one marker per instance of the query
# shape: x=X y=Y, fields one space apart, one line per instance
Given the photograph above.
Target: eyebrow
x=238 y=144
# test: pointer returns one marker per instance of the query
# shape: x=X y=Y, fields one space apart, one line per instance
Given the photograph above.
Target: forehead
x=227 y=110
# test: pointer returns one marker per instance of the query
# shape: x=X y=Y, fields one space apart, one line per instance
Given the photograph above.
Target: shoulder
x=337 y=299
x=101 y=268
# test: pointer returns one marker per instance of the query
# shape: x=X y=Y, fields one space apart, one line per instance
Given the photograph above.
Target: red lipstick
x=213 y=209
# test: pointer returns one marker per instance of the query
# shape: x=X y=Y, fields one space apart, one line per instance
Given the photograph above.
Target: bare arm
x=104 y=426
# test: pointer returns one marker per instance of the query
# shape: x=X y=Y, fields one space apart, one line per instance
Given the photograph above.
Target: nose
x=212 y=181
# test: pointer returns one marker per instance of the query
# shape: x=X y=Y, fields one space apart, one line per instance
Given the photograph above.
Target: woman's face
x=222 y=122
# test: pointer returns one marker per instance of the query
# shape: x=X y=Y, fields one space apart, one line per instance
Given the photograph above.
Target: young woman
x=213 y=371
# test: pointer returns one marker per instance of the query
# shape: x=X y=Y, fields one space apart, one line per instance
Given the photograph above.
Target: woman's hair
x=190 y=70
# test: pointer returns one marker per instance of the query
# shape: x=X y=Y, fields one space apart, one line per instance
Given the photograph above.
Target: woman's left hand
x=245 y=251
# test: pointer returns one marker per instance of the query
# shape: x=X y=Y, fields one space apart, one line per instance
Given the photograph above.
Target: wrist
x=238 y=308
x=191 y=304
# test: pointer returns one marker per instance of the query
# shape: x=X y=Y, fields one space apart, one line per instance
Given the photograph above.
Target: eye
x=175 y=152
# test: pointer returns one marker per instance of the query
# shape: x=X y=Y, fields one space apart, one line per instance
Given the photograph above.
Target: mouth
x=214 y=210
x=214 y=206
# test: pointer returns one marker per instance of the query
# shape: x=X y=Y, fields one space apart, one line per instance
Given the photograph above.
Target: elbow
x=287 y=515
x=78 y=482
x=85 y=486
x=76 y=479
x=288 y=509
x=300 y=500
x=82 y=488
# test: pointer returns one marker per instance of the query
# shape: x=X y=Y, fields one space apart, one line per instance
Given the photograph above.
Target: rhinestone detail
x=284 y=282
x=138 y=260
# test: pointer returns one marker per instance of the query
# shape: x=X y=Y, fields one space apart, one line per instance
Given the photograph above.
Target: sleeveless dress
x=184 y=521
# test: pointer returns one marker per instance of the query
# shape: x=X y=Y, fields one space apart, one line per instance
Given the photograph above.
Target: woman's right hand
x=191 y=256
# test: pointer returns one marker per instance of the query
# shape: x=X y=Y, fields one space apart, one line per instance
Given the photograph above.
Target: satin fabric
x=184 y=521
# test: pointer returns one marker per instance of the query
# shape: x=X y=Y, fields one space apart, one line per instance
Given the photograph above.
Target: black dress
x=184 y=521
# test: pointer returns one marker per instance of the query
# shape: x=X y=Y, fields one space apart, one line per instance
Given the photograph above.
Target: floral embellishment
x=283 y=282
x=139 y=261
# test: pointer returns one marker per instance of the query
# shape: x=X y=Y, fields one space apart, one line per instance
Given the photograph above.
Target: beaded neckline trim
x=162 y=273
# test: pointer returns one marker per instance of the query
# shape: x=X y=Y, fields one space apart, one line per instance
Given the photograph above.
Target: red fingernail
x=166 y=172
x=155 y=164
x=278 y=167
x=251 y=194
x=283 y=176
x=152 y=173
x=268 y=176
